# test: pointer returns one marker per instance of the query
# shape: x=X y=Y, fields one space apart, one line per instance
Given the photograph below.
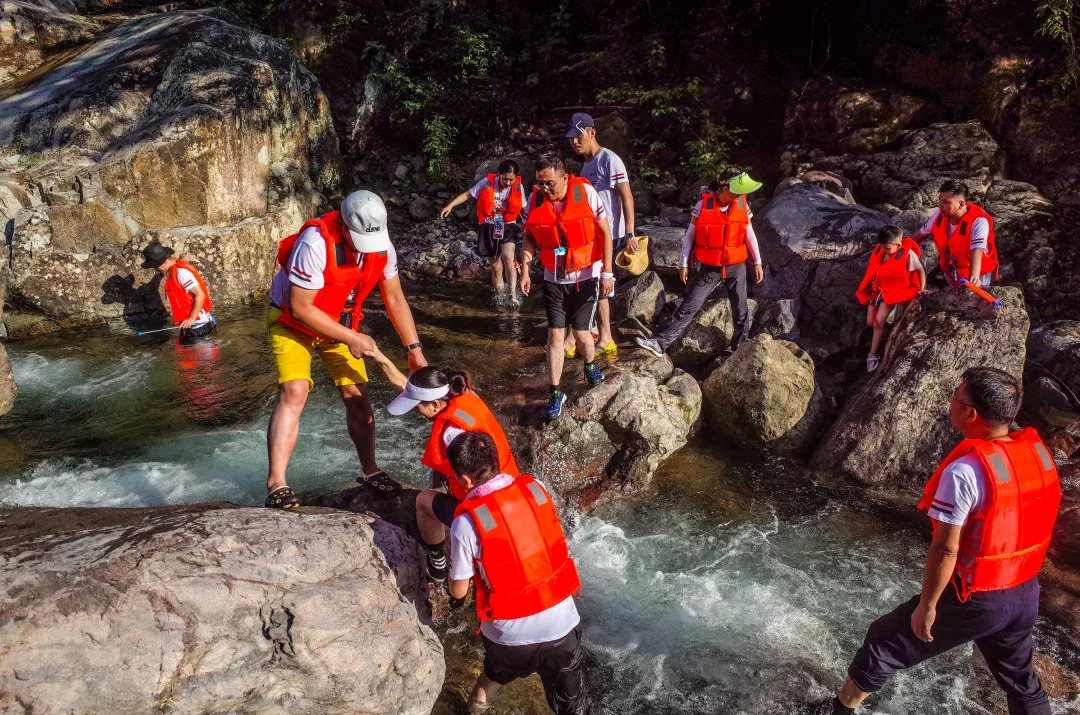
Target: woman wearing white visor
x=446 y=398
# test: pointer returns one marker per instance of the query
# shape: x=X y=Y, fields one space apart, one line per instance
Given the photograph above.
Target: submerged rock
x=765 y=395
x=615 y=436
x=181 y=126
x=188 y=609
x=896 y=424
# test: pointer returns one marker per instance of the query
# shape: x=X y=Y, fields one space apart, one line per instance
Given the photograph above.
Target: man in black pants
x=722 y=240
x=993 y=502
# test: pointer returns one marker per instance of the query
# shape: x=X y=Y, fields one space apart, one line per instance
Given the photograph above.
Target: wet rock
x=852 y=117
x=641 y=298
x=709 y=333
x=815 y=246
x=191 y=607
x=172 y=126
x=612 y=438
x=765 y=395
x=894 y=429
x=8 y=388
x=778 y=318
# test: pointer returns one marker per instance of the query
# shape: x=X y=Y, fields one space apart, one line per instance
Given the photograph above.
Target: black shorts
x=489 y=247
x=572 y=305
x=558 y=663
x=199 y=331
x=444 y=506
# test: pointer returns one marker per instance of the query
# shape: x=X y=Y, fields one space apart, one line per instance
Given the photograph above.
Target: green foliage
x=31 y=40
x=478 y=56
x=439 y=139
x=710 y=153
x=659 y=101
x=1056 y=22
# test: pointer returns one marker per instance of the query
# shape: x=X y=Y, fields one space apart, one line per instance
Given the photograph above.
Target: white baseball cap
x=412 y=396
x=364 y=214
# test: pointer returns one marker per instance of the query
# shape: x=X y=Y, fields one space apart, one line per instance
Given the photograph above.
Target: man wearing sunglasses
x=566 y=222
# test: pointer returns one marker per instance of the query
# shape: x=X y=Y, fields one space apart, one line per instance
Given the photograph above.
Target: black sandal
x=380 y=481
x=282 y=498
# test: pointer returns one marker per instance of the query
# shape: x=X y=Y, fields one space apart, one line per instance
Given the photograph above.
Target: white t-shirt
x=605 y=170
x=961 y=493
x=589 y=272
x=501 y=194
x=548 y=625
x=751 y=237
x=980 y=230
x=188 y=282
x=307 y=263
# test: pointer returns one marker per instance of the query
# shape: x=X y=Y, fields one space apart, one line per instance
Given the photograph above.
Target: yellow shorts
x=292 y=355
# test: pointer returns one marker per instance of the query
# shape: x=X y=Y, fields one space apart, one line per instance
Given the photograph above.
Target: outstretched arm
x=395 y=377
x=458 y=201
x=402 y=318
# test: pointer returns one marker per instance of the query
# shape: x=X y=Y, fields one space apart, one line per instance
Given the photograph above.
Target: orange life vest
x=890 y=277
x=180 y=301
x=954 y=250
x=574 y=228
x=720 y=236
x=525 y=568
x=342 y=277
x=1005 y=546
x=469 y=413
x=485 y=203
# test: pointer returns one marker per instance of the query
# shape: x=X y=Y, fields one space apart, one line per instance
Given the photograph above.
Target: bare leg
x=555 y=354
x=507 y=251
x=432 y=531
x=588 y=347
x=568 y=340
x=283 y=429
x=879 y=327
x=496 y=274
x=850 y=696
x=603 y=321
x=483 y=694
x=360 y=421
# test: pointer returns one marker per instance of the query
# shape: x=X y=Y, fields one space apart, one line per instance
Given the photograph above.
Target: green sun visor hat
x=743 y=184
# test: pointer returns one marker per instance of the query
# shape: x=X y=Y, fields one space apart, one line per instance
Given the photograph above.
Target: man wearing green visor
x=721 y=240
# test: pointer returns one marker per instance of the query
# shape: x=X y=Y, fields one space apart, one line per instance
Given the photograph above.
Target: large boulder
x=641 y=298
x=1052 y=385
x=613 y=437
x=665 y=248
x=183 y=126
x=186 y=609
x=33 y=31
x=709 y=333
x=853 y=117
x=1042 y=145
x=1055 y=347
x=895 y=428
x=765 y=395
x=815 y=245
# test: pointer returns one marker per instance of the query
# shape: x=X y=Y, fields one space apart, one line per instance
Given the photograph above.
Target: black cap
x=155 y=254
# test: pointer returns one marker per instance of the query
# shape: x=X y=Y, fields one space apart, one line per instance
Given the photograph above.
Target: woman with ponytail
x=447 y=399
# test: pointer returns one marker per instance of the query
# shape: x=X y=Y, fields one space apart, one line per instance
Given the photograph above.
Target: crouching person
x=525 y=582
x=893 y=278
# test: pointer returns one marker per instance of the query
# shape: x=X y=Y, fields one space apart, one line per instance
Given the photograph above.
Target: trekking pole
x=981 y=293
x=159 y=330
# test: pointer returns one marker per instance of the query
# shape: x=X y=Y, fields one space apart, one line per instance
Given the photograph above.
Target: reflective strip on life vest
x=1044 y=456
x=484 y=515
x=1001 y=469
x=538 y=493
x=465 y=417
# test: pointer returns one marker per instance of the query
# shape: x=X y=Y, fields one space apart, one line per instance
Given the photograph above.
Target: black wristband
x=412 y=346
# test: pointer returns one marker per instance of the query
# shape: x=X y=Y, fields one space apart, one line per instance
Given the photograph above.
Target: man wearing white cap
x=327 y=270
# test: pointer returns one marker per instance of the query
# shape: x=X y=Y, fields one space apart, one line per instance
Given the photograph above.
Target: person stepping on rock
x=327 y=269
x=894 y=276
x=721 y=239
x=567 y=224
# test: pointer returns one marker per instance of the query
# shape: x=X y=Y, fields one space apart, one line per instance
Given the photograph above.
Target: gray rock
x=665 y=249
x=895 y=428
x=778 y=318
x=614 y=436
x=815 y=246
x=765 y=395
x=644 y=205
x=187 y=608
x=709 y=333
x=423 y=209
x=401 y=171
x=641 y=298
x=8 y=388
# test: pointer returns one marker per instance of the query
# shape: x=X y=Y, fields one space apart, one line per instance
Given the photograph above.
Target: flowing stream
x=743 y=587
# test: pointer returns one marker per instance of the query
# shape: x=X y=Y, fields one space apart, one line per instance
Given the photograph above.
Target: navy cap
x=578 y=123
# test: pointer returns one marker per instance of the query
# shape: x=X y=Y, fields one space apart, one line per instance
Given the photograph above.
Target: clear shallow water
x=741 y=588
